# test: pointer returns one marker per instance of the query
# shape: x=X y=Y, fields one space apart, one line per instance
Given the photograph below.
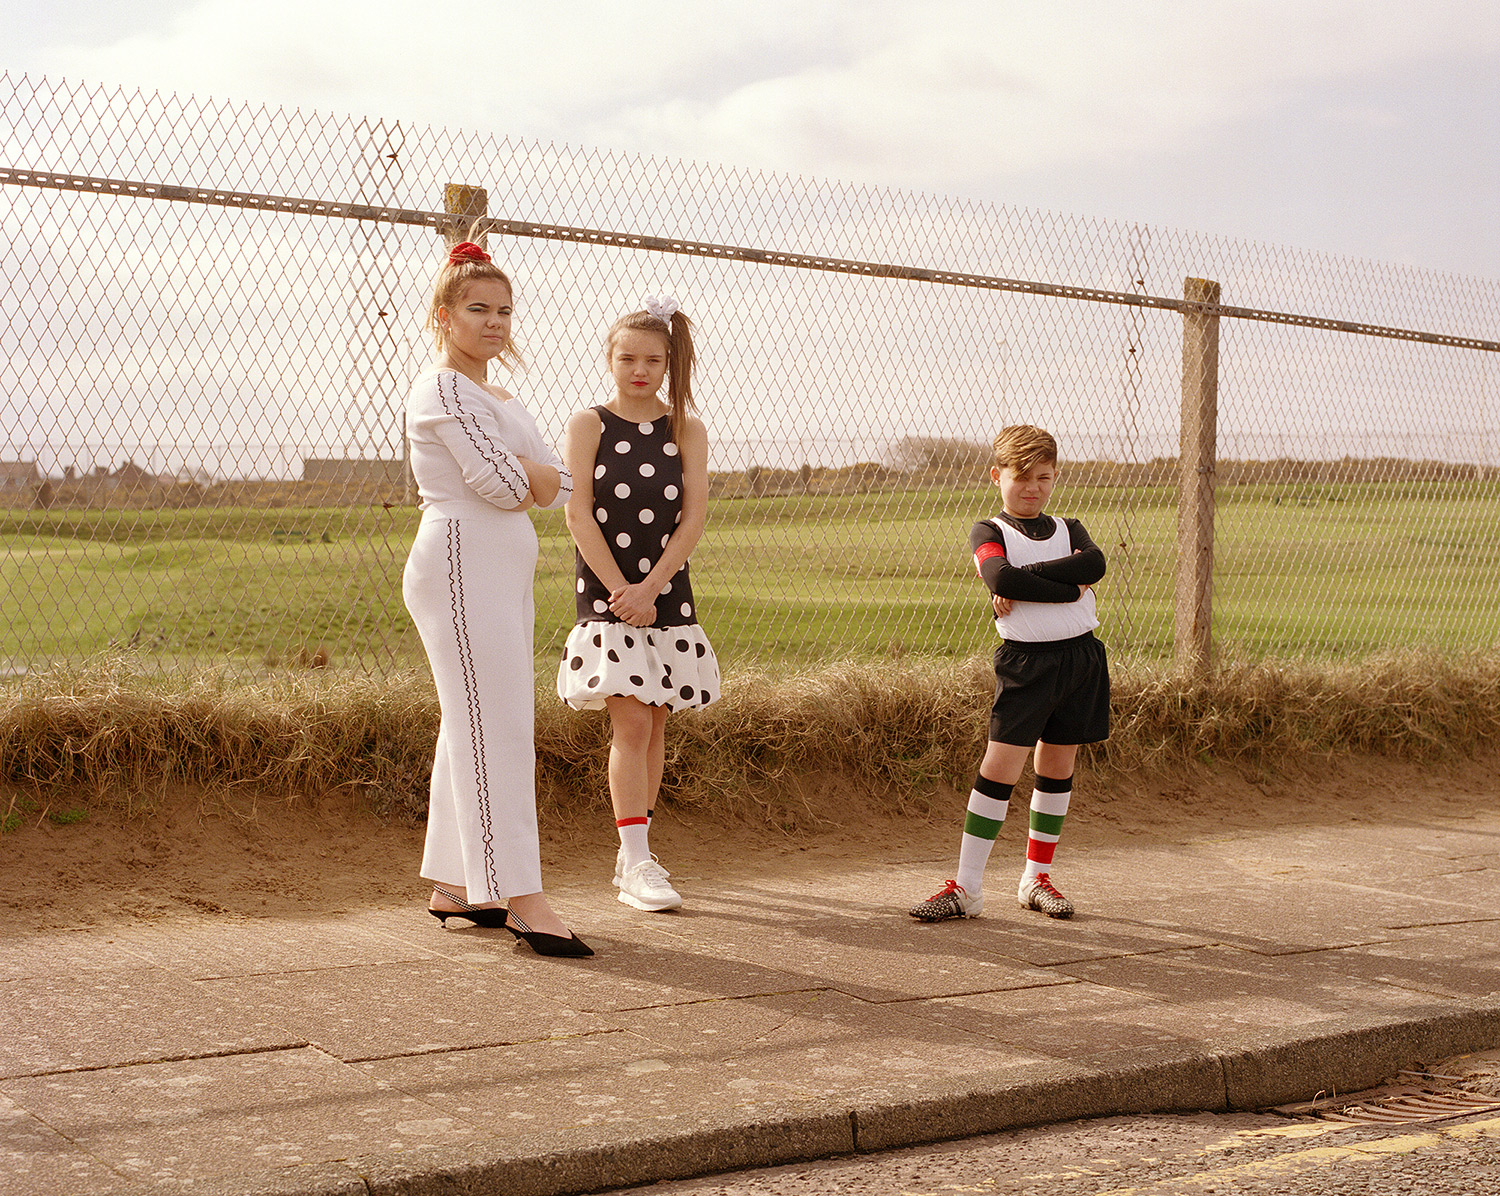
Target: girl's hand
x=1002 y=606
x=634 y=604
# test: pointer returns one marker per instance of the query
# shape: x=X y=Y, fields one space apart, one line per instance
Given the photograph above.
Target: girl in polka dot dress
x=640 y=496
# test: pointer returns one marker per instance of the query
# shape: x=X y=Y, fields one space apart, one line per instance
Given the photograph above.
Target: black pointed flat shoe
x=571 y=947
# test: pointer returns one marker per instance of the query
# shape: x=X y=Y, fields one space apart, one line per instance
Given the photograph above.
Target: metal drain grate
x=1397 y=1104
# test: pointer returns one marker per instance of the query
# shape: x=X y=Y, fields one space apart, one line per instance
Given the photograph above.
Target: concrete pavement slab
x=1464 y=886
x=782 y=1022
x=1223 y=988
x=516 y=1090
x=37 y=1160
x=1023 y=935
x=605 y=1080
x=1459 y=961
x=821 y=1045
x=714 y=1071
x=1075 y=1021
x=417 y=936
x=1190 y=999
x=1045 y=943
x=1273 y=917
x=65 y=953
x=195 y=948
x=106 y=1019
x=642 y=959
x=407 y=1008
x=652 y=969
x=1308 y=853
x=876 y=955
x=169 y=1123
x=1347 y=852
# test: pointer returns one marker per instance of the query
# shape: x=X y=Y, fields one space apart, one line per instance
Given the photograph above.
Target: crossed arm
x=470 y=432
x=1062 y=580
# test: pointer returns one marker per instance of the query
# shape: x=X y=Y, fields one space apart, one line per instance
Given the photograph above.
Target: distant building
x=18 y=477
x=353 y=471
x=130 y=477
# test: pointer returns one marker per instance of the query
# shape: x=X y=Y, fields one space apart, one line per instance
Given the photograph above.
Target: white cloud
x=947 y=95
x=917 y=87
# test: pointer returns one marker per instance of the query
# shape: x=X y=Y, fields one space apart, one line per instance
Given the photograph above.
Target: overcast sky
x=1362 y=127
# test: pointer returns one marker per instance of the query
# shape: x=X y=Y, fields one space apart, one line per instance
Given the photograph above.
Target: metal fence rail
x=211 y=313
x=444 y=220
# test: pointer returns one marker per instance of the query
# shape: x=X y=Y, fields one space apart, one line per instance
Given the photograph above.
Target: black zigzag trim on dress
x=471 y=692
x=499 y=457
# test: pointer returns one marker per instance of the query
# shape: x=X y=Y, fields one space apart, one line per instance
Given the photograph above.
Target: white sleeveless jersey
x=1035 y=622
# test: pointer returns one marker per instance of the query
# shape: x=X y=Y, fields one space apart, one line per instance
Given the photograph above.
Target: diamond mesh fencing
x=212 y=313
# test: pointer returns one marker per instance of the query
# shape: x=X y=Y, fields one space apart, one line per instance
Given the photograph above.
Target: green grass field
x=1325 y=571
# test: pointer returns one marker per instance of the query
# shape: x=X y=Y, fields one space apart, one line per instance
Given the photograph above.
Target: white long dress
x=468 y=586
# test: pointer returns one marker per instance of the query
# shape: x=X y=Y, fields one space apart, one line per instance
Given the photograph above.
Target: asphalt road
x=1222 y=1154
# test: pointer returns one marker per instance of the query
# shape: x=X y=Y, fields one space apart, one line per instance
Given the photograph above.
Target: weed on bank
x=897 y=732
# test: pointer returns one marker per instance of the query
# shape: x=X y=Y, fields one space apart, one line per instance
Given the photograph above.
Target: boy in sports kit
x=1052 y=679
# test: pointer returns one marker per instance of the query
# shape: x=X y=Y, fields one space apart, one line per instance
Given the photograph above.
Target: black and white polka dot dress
x=638 y=504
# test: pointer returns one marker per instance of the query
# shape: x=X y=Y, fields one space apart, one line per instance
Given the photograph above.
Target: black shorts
x=1053 y=692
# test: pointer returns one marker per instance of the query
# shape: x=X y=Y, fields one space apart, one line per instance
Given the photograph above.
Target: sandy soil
x=238 y=857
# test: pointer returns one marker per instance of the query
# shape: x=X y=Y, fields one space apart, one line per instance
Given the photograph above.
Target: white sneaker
x=619 y=866
x=645 y=887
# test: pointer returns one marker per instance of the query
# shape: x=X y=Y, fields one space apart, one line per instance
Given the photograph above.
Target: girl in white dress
x=640 y=496
x=480 y=463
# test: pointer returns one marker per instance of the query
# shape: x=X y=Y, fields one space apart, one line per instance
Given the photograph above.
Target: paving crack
x=185 y=1058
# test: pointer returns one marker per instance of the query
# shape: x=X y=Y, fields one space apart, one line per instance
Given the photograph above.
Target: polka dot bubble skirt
x=673 y=667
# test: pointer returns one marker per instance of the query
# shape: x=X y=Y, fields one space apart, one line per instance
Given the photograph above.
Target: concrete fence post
x=1192 y=643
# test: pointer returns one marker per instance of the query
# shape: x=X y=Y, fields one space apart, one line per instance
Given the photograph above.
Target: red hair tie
x=467 y=251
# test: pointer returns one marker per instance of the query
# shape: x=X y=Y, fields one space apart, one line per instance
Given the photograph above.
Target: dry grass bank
x=788 y=751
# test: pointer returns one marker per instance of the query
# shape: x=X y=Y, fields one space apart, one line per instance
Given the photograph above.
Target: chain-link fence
x=212 y=312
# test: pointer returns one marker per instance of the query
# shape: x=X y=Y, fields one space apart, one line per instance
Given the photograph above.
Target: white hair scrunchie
x=663 y=308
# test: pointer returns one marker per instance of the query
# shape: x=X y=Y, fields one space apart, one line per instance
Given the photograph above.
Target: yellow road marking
x=1325 y=1156
x=1300 y=1129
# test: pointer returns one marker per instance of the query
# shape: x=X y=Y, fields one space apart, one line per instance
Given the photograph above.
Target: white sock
x=989 y=802
x=634 y=842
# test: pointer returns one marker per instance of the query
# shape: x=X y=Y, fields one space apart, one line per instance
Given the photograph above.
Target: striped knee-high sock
x=1049 y=806
x=989 y=802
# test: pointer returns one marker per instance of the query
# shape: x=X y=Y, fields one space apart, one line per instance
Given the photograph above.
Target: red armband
x=984 y=552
